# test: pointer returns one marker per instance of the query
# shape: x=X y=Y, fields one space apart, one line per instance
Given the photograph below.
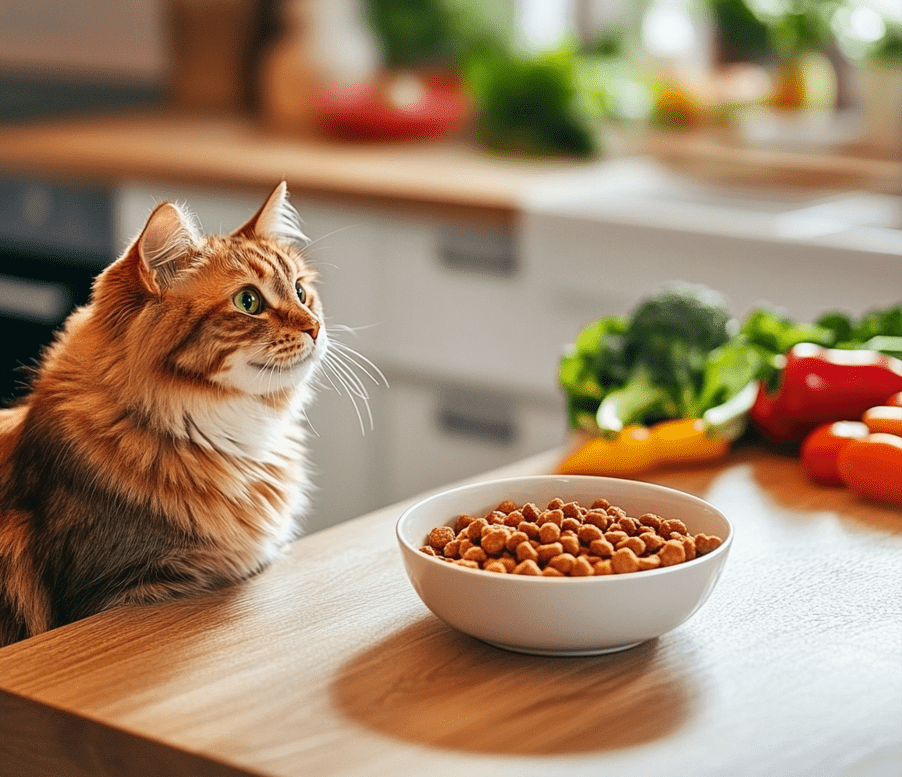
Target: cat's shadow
x=433 y=686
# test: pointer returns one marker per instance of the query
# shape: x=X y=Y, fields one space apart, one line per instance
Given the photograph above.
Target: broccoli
x=666 y=345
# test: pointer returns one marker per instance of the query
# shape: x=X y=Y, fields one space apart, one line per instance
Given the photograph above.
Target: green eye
x=248 y=301
x=302 y=293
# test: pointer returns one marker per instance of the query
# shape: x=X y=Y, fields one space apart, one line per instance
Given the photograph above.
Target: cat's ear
x=165 y=244
x=276 y=220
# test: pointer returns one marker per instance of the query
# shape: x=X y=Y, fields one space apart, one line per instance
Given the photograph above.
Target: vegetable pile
x=679 y=379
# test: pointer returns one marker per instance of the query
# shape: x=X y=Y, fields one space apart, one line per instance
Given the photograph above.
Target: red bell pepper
x=820 y=385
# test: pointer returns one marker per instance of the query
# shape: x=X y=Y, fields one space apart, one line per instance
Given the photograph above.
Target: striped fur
x=160 y=451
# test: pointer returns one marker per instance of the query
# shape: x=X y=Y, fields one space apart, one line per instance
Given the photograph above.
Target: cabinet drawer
x=438 y=434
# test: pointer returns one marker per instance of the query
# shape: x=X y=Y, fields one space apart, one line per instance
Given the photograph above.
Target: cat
x=161 y=451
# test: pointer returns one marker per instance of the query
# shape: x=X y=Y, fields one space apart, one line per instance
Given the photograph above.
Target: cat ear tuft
x=276 y=220
x=166 y=241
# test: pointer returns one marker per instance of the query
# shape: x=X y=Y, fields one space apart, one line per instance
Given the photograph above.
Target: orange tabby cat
x=160 y=452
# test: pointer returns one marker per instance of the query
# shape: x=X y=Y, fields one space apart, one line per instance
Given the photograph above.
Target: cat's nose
x=312 y=329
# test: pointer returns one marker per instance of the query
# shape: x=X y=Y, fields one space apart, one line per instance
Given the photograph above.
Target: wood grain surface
x=329 y=664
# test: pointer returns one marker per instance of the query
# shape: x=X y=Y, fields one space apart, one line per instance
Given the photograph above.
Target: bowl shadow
x=432 y=685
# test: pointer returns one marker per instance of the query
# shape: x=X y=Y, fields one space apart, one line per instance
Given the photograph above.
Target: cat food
x=566 y=540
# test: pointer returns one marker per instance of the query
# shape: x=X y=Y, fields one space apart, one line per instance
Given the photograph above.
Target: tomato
x=884 y=418
x=872 y=466
x=895 y=400
x=821 y=449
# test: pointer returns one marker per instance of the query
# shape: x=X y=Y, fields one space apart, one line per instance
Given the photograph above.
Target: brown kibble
x=463 y=521
x=551 y=516
x=526 y=552
x=570 y=544
x=603 y=567
x=464 y=546
x=549 y=551
x=616 y=513
x=528 y=567
x=513 y=518
x=671 y=553
x=598 y=518
x=563 y=563
x=476 y=554
x=615 y=536
x=635 y=544
x=571 y=510
x=571 y=524
x=530 y=511
x=624 y=561
x=441 y=536
x=514 y=539
x=530 y=529
x=601 y=504
x=474 y=530
x=507 y=506
x=689 y=547
x=582 y=568
x=705 y=543
x=549 y=532
x=588 y=533
x=653 y=542
x=496 y=518
x=650 y=519
x=667 y=527
x=452 y=549
x=555 y=504
x=495 y=566
x=628 y=525
x=428 y=550
x=552 y=572
x=601 y=548
x=494 y=541
x=649 y=562
x=463 y=562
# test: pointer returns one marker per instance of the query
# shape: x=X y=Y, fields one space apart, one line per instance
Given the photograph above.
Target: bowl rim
x=589 y=580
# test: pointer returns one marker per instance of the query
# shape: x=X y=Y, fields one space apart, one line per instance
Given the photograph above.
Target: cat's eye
x=248 y=301
x=302 y=293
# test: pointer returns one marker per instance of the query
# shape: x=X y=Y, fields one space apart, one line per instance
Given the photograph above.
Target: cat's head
x=237 y=311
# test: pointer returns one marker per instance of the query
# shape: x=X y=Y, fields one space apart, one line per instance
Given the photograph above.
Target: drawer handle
x=495 y=431
x=483 y=253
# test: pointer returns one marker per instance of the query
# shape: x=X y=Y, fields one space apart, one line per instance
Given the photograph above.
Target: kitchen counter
x=450 y=177
x=329 y=664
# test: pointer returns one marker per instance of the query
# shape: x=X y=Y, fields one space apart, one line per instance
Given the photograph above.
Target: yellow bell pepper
x=639 y=448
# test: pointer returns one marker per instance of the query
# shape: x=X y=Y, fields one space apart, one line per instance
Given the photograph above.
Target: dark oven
x=54 y=238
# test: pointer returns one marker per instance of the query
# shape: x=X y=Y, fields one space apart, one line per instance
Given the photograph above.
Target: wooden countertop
x=450 y=177
x=329 y=664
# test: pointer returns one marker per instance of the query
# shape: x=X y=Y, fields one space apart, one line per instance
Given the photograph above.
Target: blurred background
x=481 y=179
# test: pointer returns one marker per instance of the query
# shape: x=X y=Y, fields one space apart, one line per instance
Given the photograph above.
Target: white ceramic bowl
x=562 y=616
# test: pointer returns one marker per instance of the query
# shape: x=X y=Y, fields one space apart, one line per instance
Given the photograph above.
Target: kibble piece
x=671 y=553
x=463 y=562
x=549 y=532
x=551 y=516
x=653 y=542
x=705 y=543
x=528 y=567
x=598 y=518
x=452 y=549
x=555 y=504
x=526 y=552
x=552 y=572
x=601 y=548
x=649 y=562
x=429 y=550
x=601 y=504
x=515 y=538
x=563 y=563
x=474 y=530
x=587 y=533
x=513 y=518
x=615 y=536
x=570 y=544
x=441 y=536
x=616 y=512
x=508 y=561
x=624 y=561
x=582 y=568
x=530 y=511
x=476 y=554
x=667 y=527
x=571 y=524
x=530 y=529
x=628 y=525
x=603 y=567
x=571 y=510
x=463 y=521
x=464 y=546
x=635 y=544
x=689 y=547
x=494 y=541
x=549 y=551
x=650 y=519
x=496 y=518
x=495 y=566
x=507 y=506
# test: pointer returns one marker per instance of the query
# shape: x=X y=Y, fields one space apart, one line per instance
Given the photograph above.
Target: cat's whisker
x=351 y=377
x=352 y=383
x=356 y=358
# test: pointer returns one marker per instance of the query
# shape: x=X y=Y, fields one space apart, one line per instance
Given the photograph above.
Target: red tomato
x=884 y=418
x=895 y=400
x=872 y=466
x=821 y=449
